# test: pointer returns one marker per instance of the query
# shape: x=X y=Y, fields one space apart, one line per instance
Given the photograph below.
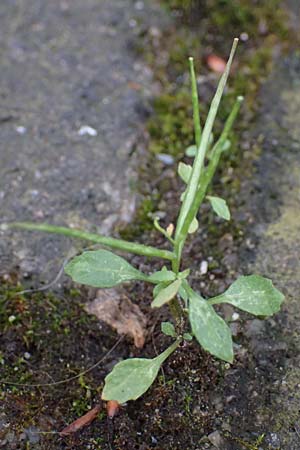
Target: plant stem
x=174 y=305
x=164 y=355
x=130 y=247
x=185 y=218
x=206 y=178
x=195 y=100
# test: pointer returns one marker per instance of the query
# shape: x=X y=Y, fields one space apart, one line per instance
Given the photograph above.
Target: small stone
x=87 y=130
x=21 y=130
x=216 y=439
x=244 y=37
x=273 y=440
x=203 y=267
x=32 y=434
x=168 y=160
x=235 y=316
x=139 y=5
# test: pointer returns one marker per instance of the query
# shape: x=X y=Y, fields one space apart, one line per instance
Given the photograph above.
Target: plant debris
x=83 y=421
x=113 y=307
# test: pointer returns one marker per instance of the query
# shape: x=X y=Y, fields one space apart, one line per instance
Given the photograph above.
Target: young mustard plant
x=131 y=378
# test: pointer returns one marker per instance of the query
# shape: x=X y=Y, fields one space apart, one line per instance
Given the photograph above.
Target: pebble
x=235 y=316
x=87 y=130
x=216 y=439
x=273 y=440
x=21 y=130
x=203 y=267
x=168 y=160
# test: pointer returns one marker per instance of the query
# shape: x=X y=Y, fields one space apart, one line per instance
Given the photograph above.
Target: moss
x=143 y=220
x=170 y=127
x=45 y=339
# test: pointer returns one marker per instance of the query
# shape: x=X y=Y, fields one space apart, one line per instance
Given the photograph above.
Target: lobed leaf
x=220 y=207
x=210 y=330
x=254 y=294
x=101 y=268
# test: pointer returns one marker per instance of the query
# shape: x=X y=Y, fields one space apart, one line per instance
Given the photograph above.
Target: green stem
x=162 y=230
x=164 y=355
x=192 y=187
x=195 y=100
x=207 y=177
x=130 y=247
x=174 y=305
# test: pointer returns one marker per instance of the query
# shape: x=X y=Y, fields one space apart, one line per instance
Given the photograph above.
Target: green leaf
x=183 y=294
x=194 y=226
x=184 y=274
x=210 y=329
x=226 y=146
x=191 y=151
x=187 y=337
x=166 y=294
x=162 y=276
x=168 y=329
x=131 y=378
x=254 y=294
x=158 y=287
x=101 y=268
x=184 y=171
x=220 y=207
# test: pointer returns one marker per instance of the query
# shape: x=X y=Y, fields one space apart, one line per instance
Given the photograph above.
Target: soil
x=197 y=402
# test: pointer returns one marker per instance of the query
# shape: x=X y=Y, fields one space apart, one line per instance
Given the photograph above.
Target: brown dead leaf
x=112 y=408
x=83 y=421
x=117 y=310
x=216 y=63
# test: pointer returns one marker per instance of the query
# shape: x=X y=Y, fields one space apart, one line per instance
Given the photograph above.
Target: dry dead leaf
x=216 y=63
x=112 y=408
x=113 y=307
x=83 y=421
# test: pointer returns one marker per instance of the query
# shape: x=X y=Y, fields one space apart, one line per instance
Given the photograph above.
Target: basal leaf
x=162 y=276
x=209 y=328
x=184 y=171
x=254 y=294
x=166 y=294
x=101 y=268
x=129 y=379
x=168 y=329
x=220 y=207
